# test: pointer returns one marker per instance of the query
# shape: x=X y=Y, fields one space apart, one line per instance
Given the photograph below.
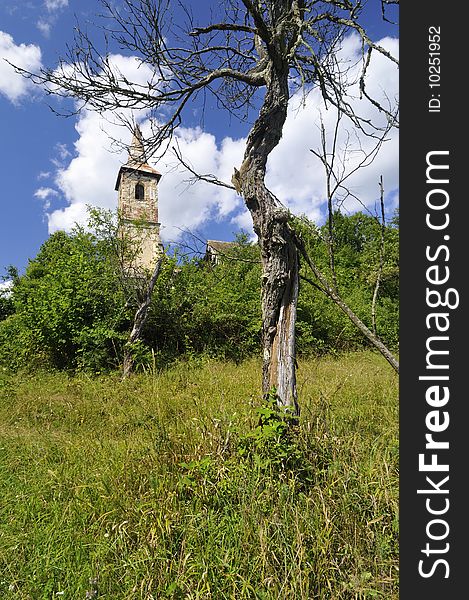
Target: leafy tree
x=356 y=264
x=69 y=303
x=73 y=309
x=201 y=308
x=6 y=304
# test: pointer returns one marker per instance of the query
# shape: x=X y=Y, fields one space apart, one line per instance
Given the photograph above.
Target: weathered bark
x=140 y=320
x=280 y=271
x=279 y=302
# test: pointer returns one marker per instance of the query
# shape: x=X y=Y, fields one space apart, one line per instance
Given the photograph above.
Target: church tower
x=137 y=205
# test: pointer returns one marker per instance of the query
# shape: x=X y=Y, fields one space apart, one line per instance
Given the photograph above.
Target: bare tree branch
x=327 y=288
x=384 y=4
x=336 y=176
x=381 y=256
x=209 y=178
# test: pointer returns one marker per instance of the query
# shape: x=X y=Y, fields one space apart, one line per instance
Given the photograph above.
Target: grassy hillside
x=162 y=487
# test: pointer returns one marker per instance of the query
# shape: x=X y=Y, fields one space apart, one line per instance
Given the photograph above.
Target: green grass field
x=162 y=487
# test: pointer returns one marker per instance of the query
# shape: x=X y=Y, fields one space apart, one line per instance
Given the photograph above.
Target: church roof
x=146 y=169
x=217 y=249
x=137 y=160
x=220 y=246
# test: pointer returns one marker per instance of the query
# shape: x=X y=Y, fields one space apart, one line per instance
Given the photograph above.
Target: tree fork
x=140 y=319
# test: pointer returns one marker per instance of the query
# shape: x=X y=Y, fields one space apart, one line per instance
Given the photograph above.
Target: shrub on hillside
x=73 y=309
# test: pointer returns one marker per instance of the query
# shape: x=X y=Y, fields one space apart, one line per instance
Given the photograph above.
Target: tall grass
x=162 y=487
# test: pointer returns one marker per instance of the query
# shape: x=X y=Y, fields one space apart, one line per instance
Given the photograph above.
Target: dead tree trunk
x=140 y=320
x=280 y=270
x=279 y=302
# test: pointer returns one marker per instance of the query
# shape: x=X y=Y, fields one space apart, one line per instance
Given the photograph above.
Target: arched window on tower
x=139 y=192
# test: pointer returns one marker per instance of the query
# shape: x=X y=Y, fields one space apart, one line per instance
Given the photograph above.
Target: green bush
x=72 y=308
x=68 y=308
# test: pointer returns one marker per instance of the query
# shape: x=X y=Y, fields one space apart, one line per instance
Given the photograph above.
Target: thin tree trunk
x=381 y=258
x=140 y=320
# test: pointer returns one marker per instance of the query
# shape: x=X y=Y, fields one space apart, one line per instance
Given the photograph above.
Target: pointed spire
x=137 y=155
x=137 y=160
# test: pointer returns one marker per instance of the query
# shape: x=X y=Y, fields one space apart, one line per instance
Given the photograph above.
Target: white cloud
x=45 y=194
x=243 y=220
x=65 y=219
x=6 y=287
x=294 y=175
x=44 y=27
x=62 y=153
x=25 y=56
x=89 y=177
x=46 y=22
x=53 y=5
x=190 y=206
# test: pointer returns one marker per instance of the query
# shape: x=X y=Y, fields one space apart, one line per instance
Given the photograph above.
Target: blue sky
x=52 y=167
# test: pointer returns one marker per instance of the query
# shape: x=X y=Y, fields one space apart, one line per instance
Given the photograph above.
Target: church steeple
x=137 y=184
x=137 y=156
